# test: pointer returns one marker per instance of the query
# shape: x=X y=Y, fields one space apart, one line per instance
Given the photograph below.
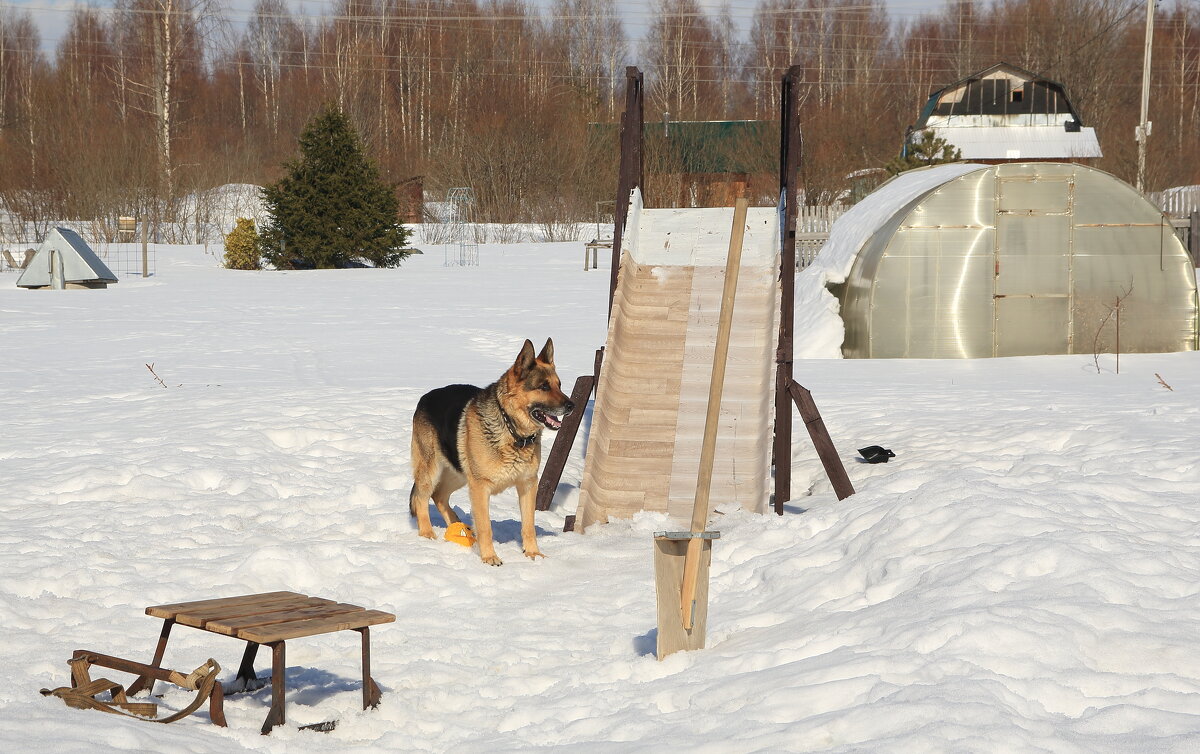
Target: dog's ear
x=524 y=360
x=547 y=354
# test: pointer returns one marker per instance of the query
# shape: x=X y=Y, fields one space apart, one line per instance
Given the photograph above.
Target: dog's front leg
x=527 y=493
x=481 y=493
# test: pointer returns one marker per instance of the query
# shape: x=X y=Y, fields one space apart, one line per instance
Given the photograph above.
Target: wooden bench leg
x=247 y=679
x=278 y=666
x=371 y=691
x=145 y=681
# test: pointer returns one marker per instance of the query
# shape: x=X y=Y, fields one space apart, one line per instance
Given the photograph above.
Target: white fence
x=812 y=230
x=1180 y=201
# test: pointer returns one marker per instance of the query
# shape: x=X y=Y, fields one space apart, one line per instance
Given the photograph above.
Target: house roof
x=707 y=146
x=1021 y=142
x=1009 y=67
x=984 y=95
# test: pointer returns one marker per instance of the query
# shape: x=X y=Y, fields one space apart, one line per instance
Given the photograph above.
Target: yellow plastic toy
x=460 y=533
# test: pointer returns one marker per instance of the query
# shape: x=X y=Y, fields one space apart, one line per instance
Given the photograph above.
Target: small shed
x=968 y=260
x=64 y=260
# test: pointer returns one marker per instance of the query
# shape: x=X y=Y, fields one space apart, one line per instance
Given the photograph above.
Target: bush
x=243 y=251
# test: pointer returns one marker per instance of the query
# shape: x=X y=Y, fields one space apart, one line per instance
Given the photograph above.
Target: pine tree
x=332 y=209
x=242 y=248
x=931 y=149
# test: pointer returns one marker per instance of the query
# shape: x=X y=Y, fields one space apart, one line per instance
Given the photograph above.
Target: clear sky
x=52 y=16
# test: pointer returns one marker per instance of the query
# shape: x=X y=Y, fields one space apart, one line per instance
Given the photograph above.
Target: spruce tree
x=930 y=149
x=331 y=209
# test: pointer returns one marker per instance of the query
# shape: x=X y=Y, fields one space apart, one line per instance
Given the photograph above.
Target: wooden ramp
x=644 y=445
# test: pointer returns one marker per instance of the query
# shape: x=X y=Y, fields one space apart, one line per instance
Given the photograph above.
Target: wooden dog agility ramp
x=645 y=440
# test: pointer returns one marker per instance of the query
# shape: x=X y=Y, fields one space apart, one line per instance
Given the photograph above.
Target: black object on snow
x=876 y=454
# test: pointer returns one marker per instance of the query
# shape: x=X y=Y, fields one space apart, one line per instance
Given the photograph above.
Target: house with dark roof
x=1007 y=114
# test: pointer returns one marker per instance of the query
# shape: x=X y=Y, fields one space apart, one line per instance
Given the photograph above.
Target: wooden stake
x=691 y=565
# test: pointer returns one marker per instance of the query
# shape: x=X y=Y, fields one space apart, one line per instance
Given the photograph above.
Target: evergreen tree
x=242 y=248
x=930 y=149
x=332 y=209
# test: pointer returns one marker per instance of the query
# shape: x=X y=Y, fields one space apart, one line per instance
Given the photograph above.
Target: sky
x=52 y=16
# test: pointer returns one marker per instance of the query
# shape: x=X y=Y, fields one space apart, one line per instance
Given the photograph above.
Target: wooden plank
x=230 y=626
x=168 y=611
x=821 y=441
x=200 y=618
x=563 y=442
x=312 y=627
x=691 y=568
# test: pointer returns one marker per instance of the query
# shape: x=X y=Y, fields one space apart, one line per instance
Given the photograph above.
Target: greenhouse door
x=1033 y=266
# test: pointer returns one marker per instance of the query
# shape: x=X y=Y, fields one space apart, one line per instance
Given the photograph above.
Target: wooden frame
x=787 y=391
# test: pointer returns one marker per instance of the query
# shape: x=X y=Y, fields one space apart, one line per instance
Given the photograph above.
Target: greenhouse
x=970 y=260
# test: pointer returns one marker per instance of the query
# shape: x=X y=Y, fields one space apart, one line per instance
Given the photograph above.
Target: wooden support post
x=216 y=705
x=552 y=471
x=821 y=441
x=246 y=677
x=1194 y=238
x=630 y=170
x=790 y=146
x=147 y=681
x=278 y=669
x=145 y=249
x=371 y=692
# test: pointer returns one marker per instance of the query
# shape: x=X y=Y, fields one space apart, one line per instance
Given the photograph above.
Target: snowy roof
x=79 y=263
x=1021 y=142
x=860 y=222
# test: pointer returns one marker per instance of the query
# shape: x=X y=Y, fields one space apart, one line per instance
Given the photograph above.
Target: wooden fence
x=812 y=230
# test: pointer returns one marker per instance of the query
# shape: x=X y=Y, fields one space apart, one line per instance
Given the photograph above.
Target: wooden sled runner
x=82 y=692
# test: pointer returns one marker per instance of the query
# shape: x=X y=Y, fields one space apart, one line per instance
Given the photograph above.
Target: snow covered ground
x=1023 y=576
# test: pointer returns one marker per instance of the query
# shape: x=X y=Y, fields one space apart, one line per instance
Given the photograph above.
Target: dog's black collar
x=522 y=441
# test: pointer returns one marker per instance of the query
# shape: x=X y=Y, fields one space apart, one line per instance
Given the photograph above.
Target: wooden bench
x=271 y=619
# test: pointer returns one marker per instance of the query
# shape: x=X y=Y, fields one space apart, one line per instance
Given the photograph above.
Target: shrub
x=243 y=251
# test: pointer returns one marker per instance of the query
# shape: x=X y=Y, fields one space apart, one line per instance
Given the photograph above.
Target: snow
x=1022 y=576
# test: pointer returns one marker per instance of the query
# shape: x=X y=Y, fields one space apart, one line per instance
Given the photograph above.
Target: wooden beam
x=565 y=439
x=790 y=145
x=821 y=441
x=630 y=170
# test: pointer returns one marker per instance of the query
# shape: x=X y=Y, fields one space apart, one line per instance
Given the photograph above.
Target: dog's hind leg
x=418 y=505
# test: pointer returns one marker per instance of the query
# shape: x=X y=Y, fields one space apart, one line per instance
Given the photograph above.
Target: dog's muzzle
x=550 y=420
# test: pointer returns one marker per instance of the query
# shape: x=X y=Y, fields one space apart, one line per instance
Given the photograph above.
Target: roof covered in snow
x=1021 y=142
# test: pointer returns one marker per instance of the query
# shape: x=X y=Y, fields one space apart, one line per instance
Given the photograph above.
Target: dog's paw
x=535 y=554
x=493 y=560
x=426 y=534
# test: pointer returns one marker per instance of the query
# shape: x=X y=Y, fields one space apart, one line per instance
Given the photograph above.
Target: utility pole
x=1143 y=128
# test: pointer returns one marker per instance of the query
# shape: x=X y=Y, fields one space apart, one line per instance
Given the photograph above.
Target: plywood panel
x=644 y=444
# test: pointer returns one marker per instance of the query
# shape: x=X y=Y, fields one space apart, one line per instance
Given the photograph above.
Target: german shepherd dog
x=487 y=439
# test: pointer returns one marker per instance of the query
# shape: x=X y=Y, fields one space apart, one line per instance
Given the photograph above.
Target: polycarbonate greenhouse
x=971 y=260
